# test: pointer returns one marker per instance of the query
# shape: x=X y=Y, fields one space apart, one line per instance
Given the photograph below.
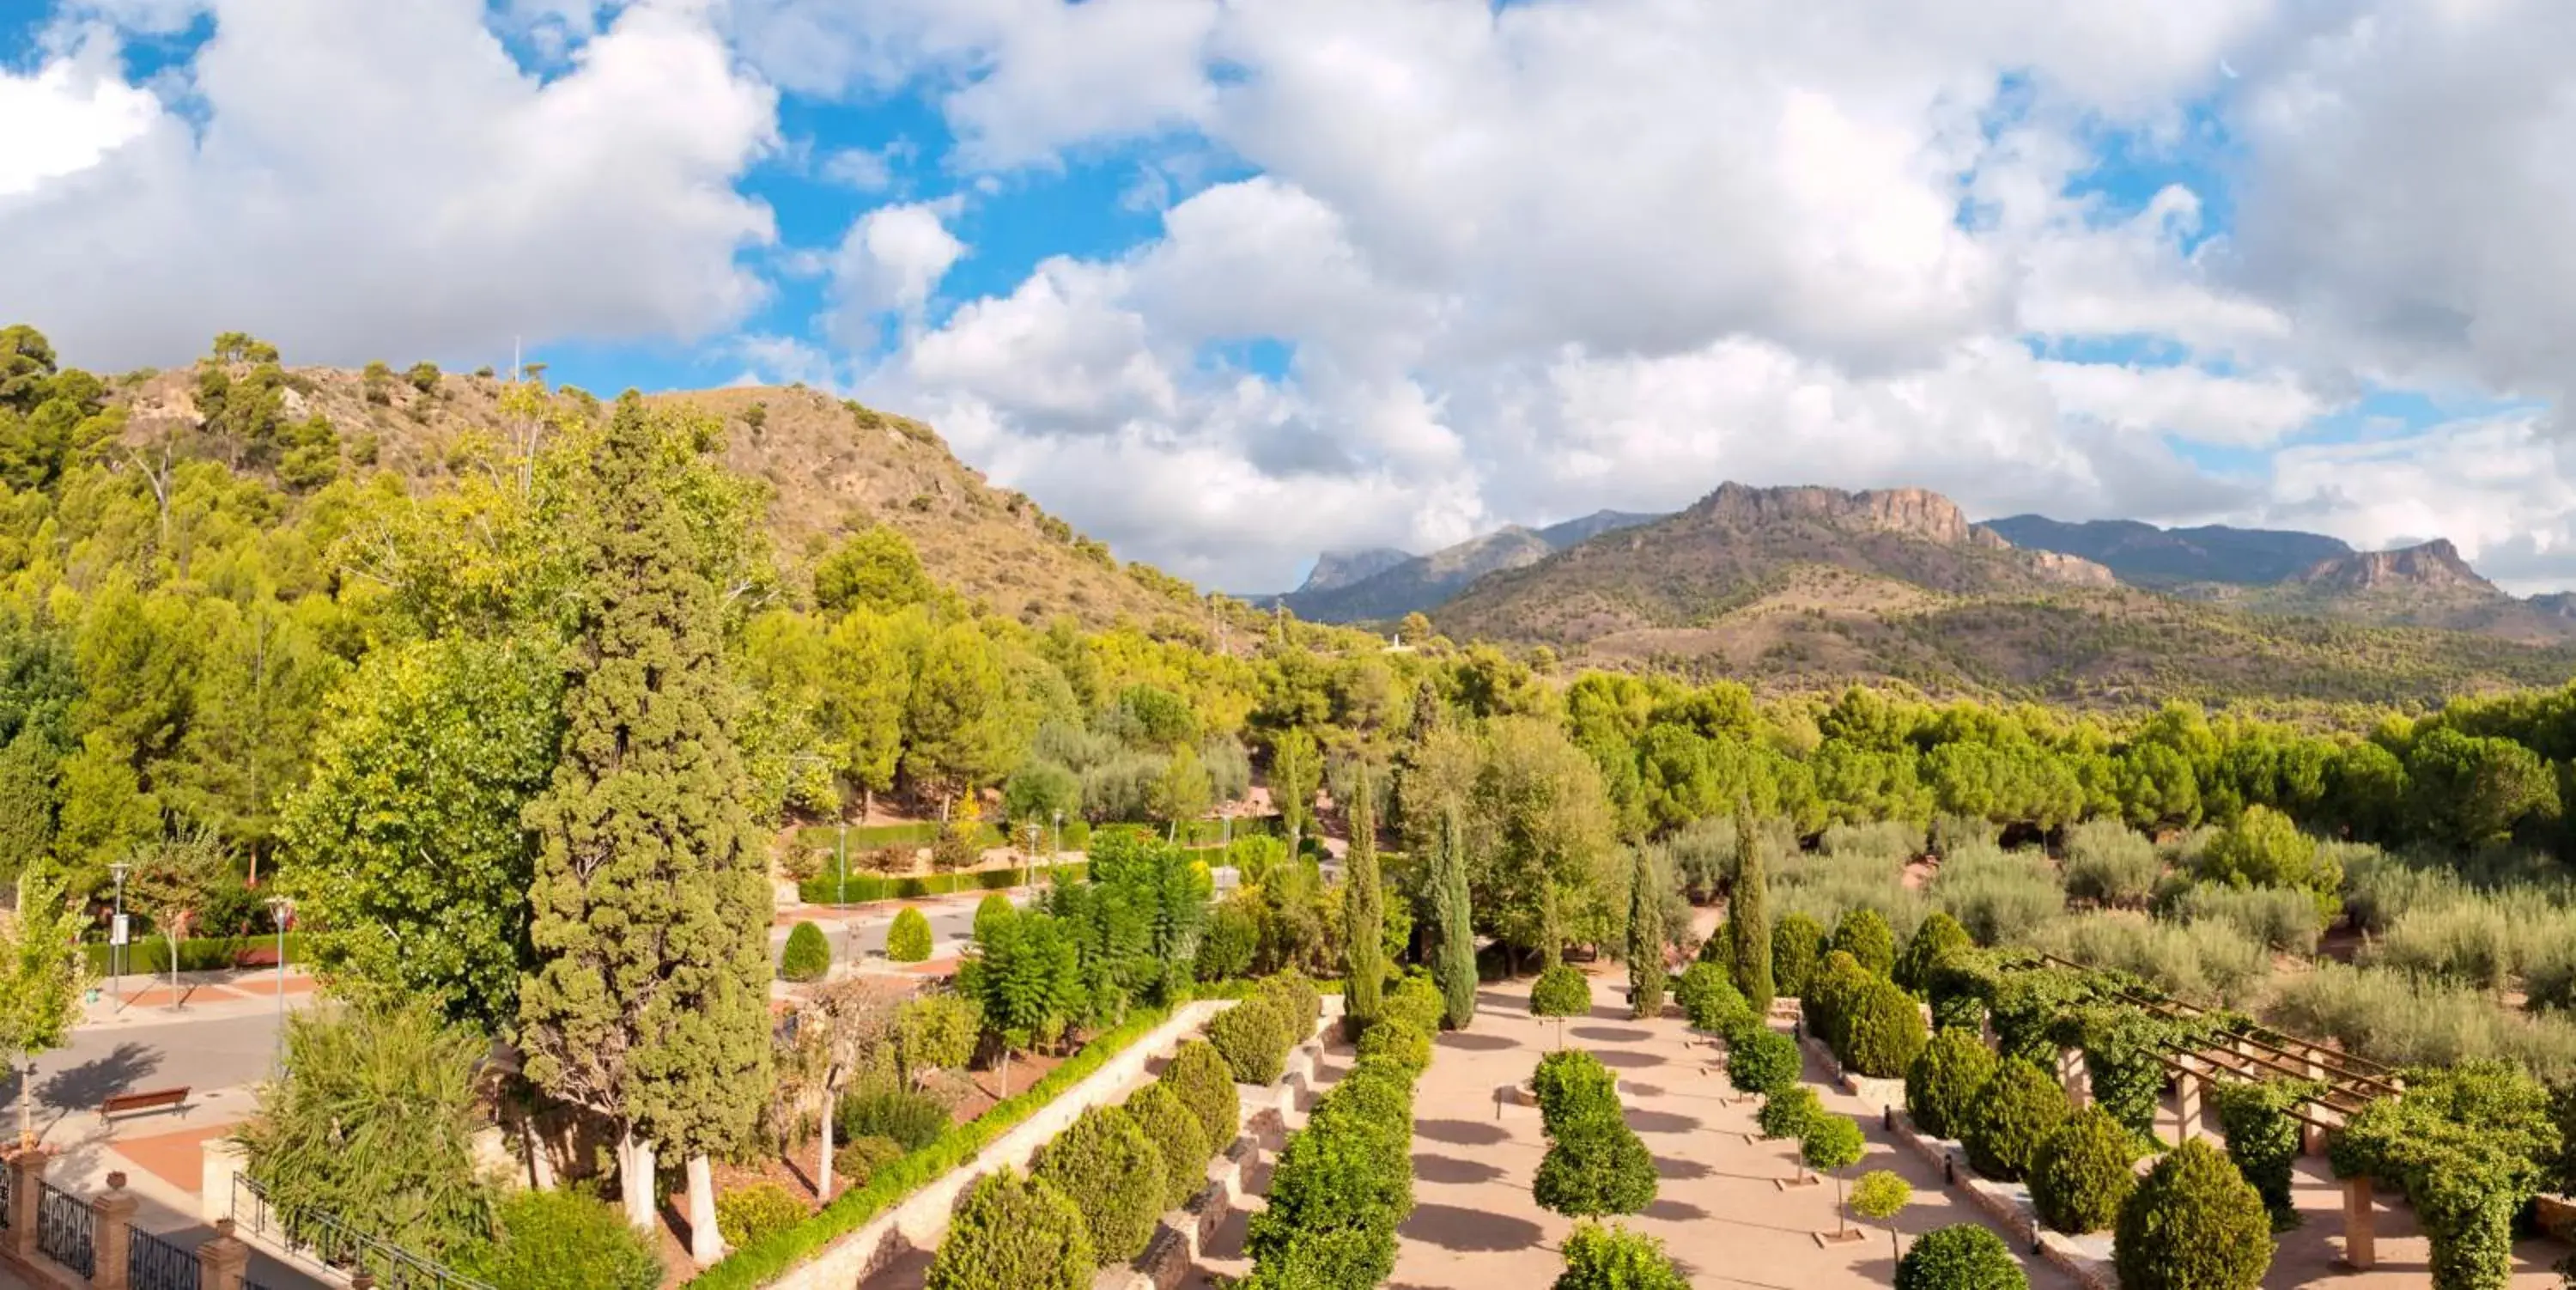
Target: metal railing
x=155 y=1264
x=8 y=1180
x=66 y=1229
x=319 y=1237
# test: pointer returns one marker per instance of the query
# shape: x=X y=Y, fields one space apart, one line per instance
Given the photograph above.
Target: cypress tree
x=1454 y=922
x=1645 y=941
x=650 y=912
x=1363 y=911
x=1748 y=916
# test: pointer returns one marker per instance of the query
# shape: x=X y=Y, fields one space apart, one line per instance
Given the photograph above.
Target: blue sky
x=1230 y=281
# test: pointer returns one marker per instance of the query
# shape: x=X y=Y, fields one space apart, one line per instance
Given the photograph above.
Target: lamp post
x=281 y=910
x=1055 y=855
x=1030 y=867
x=116 y=935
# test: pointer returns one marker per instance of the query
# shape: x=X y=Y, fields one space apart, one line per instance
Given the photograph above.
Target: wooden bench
x=159 y=1099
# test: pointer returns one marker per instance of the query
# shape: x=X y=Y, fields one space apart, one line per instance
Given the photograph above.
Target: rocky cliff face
x=1337 y=569
x=1911 y=512
x=2435 y=566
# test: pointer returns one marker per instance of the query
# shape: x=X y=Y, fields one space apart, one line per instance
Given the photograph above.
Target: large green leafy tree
x=39 y=977
x=410 y=857
x=1023 y=972
x=258 y=699
x=1363 y=909
x=955 y=733
x=649 y=1002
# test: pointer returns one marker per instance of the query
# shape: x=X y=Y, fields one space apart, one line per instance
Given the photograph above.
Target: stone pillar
x=223 y=1261
x=2072 y=1073
x=2187 y=1108
x=2360 y=1233
x=26 y=1174
x=115 y=1212
x=223 y=1160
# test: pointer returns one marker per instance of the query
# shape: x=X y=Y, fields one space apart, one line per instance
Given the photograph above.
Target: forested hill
x=830 y=466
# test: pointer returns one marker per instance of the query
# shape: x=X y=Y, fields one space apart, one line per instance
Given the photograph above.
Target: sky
x=1229 y=282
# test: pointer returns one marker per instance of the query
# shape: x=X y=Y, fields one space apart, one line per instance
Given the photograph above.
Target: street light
x=281 y=910
x=117 y=935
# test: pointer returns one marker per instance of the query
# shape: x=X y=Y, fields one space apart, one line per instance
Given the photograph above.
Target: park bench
x=159 y=1099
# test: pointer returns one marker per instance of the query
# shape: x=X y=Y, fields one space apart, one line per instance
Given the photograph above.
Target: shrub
x=2391 y=1018
x=1596 y=1165
x=1342 y=1185
x=1400 y=1042
x=1560 y=991
x=1837 y=984
x=2193 y=1224
x=1707 y=995
x=1962 y=1256
x=1571 y=1084
x=746 y=1215
x=1231 y=941
x=2109 y=863
x=1831 y=1143
x=937 y=1032
x=2282 y=918
x=911 y=1119
x=1253 y=1038
x=1415 y=1001
x=1114 y=1175
x=1864 y=935
x=564 y=1240
x=1942 y=1084
x=2263 y=1138
x=2011 y=1118
x=856 y=1161
x=1205 y=1084
x=1614 y=1258
x=1788 y=1112
x=2266 y=849
x=1176 y=1132
x=808 y=956
x=1014 y=1233
x=1938 y=935
x=2209 y=960
x=1959 y=984
x=1797 y=945
x=1762 y=1061
x=908 y=941
x=2000 y=897
x=1882 y=1030
x=2083 y=1173
x=1302 y=1004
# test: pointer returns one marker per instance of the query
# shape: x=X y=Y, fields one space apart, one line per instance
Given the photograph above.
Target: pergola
x=2245 y=1051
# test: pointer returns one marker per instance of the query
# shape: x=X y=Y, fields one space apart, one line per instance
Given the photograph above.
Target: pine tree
x=1748 y=916
x=1645 y=940
x=1454 y=923
x=650 y=1001
x=1363 y=910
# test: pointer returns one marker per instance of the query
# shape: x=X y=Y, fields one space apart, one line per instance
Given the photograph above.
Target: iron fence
x=155 y=1264
x=318 y=1236
x=8 y=1180
x=66 y=1229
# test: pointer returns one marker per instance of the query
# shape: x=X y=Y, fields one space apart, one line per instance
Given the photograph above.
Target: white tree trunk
x=635 y=1178
x=706 y=1244
x=823 y=1170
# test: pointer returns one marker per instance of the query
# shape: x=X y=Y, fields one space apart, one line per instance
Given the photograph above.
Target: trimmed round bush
x=1114 y=1175
x=1763 y=1062
x=1831 y=1143
x=1883 y=1030
x=1397 y=1041
x=1203 y=1082
x=991 y=912
x=564 y=1240
x=1571 y=1083
x=2011 y=1118
x=1014 y=1233
x=1304 y=1004
x=1614 y=1258
x=908 y=941
x=1962 y=1256
x=1788 y=1113
x=2263 y=1138
x=856 y=1161
x=1797 y=945
x=2083 y=1173
x=808 y=957
x=1944 y=1081
x=1416 y=1000
x=1254 y=1038
x=753 y=1212
x=1863 y=934
x=1838 y=980
x=912 y=1119
x=1342 y=1185
x=1938 y=935
x=2193 y=1224
x=1708 y=997
x=1596 y=1165
x=1176 y=1132
x=1560 y=991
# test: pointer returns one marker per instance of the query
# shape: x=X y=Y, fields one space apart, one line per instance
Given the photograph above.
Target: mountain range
x=1383 y=583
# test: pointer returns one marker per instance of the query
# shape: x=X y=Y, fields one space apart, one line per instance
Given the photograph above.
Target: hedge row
x=864 y=887
x=760 y=1262
x=1344 y=1183
x=148 y=955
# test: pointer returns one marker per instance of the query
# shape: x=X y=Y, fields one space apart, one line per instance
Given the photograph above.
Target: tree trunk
x=27 y=1105
x=635 y=1179
x=823 y=1170
x=706 y=1244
